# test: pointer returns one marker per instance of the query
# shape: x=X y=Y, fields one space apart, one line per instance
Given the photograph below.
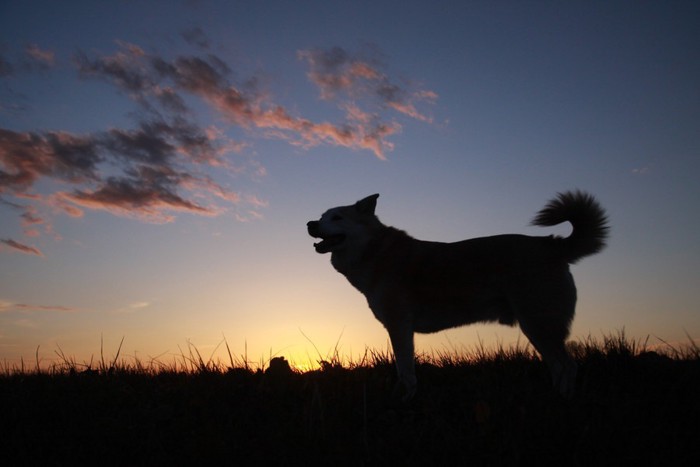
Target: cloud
x=248 y=108
x=133 y=307
x=144 y=172
x=149 y=157
x=63 y=309
x=9 y=306
x=117 y=68
x=32 y=58
x=44 y=59
x=22 y=247
x=6 y=68
x=161 y=165
x=126 y=196
x=27 y=156
x=196 y=36
x=156 y=80
x=336 y=71
x=368 y=134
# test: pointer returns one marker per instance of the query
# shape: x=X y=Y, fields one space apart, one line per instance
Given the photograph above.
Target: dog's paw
x=402 y=392
x=564 y=378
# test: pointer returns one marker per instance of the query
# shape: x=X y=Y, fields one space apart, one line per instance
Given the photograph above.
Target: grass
x=634 y=405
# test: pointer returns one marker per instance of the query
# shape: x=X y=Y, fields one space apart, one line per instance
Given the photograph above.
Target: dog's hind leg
x=401 y=335
x=545 y=318
x=561 y=366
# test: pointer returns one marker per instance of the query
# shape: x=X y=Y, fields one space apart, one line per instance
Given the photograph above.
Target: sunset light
x=159 y=162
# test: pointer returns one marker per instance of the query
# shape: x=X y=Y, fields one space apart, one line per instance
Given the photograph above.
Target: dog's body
x=419 y=286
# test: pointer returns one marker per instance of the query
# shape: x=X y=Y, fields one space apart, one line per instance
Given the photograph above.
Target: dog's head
x=344 y=225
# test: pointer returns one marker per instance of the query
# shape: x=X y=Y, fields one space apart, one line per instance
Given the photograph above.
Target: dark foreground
x=631 y=408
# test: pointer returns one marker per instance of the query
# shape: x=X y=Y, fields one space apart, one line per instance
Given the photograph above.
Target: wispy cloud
x=197 y=37
x=21 y=247
x=150 y=158
x=159 y=167
x=147 y=172
x=28 y=307
x=6 y=68
x=43 y=58
x=641 y=170
x=152 y=78
x=32 y=58
x=133 y=307
x=337 y=71
x=6 y=306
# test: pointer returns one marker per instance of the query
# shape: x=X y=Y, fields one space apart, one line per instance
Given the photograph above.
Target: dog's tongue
x=321 y=247
x=327 y=244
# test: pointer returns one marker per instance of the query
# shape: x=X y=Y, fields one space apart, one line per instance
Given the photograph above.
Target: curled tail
x=586 y=216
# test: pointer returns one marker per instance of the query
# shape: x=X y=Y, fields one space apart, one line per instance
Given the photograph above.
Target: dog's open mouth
x=328 y=243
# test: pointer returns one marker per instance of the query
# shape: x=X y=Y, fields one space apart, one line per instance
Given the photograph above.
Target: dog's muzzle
x=328 y=242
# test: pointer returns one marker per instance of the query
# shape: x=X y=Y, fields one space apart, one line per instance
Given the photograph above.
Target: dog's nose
x=312 y=228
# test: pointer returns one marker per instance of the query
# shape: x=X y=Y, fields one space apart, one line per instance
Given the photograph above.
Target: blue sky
x=159 y=161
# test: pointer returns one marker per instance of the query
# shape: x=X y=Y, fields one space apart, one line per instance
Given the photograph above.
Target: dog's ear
x=367 y=205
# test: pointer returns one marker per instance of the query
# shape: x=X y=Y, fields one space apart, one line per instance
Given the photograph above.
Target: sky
x=159 y=162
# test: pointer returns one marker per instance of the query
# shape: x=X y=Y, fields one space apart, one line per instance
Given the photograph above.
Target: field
x=492 y=407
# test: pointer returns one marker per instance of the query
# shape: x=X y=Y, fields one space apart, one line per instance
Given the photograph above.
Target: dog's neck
x=355 y=264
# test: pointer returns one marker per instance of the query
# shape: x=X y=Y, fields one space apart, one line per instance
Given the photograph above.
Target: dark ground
x=630 y=409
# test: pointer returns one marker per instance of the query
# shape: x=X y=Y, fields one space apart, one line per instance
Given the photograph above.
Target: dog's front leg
x=401 y=335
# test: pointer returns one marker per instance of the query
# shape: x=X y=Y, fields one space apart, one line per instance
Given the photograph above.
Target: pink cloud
x=148 y=195
x=146 y=76
x=156 y=168
x=336 y=70
x=257 y=202
x=58 y=203
x=359 y=134
x=45 y=57
x=22 y=248
x=150 y=158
